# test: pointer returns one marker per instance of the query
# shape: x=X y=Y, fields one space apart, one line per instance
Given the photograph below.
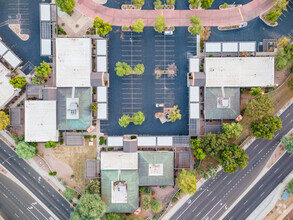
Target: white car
x=168 y=32
x=159 y=105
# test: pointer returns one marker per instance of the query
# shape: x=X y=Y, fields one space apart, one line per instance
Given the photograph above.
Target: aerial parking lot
x=149 y=92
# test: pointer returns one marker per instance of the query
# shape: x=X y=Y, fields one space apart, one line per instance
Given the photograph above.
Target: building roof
x=40 y=121
x=194 y=94
x=6 y=89
x=102 y=94
x=73 y=62
x=46 y=47
x=123 y=161
x=156 y=168
x=92 y=169
x=194 y=110
x=84 y=108
x=102 y=111
x=150 y=141
x=165 y=141
x=239 y=71
x=247 y=46
x=130 y=145
x=45 y=12
x=97 y=79
x=3 y=48
x=116 y=141
x=50 y=93
x=230 y=47
x=222 y=103
x=101 y=64
x=34 y=91
x=12 y=59
x=123 y=201
x=101 y=47
x=193 y=64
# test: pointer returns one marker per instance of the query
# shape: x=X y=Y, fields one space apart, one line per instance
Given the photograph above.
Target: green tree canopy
x=94 y=107
x=214 y=143
x=233 y=157
x=139 y=69
x=138 y=26
x=171 y=2
x=138 y=118
x=160 y=24
x=103 y=28
x=273 y=15
x=174 y=114
x=232 y=130
x=156 y=205
x=195 y=20
x=194 y=3
x=50 y=144
x=122 y=69
x=158 y=4
x=66 y=6
x=25 y=151
x=195 y=29
x=37 y=80
x=259 y=107
x=124 y=121
x=69 y=193
x=284 y=58
x=43 y=70
x=4 y=120
x=93 y=187
x=146 y=202
x=255 y=91
x=114 y=216
x=205 y=4
x=90 y=206
x=187 y=182
x=284 y=41
x=18 y=82
x=288 y=142
x=138 y=3
x=290 y=186
x=199 y=154
x=266 y=127
x=196 y=143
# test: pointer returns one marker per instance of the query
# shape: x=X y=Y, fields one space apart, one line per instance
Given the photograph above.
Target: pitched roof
x=156 y=168
x=131 y=178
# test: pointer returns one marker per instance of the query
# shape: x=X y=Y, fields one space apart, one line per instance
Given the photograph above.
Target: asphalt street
x=16 y=203
x=34 y=182
x=216 y=196
x=262 y=189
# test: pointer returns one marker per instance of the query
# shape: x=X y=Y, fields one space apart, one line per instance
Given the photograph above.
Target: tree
x=90 y=206
x=138 y=3
x=43 y=70
x=138 y=26
x=199 y=154
x=205 y=4
x=290 y=83
x=93 y=187
x=290 y=186
x=160 y=24
x=259 y=107
x=158 y=4
x=214 y=143
x=156 y=205
x=37 y=80
x=66 y=6
x=284 y=57
x=138 y=118
x=69 y=193
x=195 y=143
x=194 y=3
x=124 y=120
x=206 y=32
x=146 y=202
x=139 y=69
x=50 y=144
x=103 y=28
x=122 y=69
x=233 y=157
x=266 y=127
x=232 y=129
x=273 y=15
x=4 y=120
x=196 y=27
x=174 y=114
x=94 y=107
x=187 y=182
x=171 y=2
x=288 y=142
x=114 y=216
x=255 y=91
x=283 y=41
x=194 y=20
x=18 y=82
x=25 y=151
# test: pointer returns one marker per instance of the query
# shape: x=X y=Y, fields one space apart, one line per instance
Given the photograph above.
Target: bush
x=18 y=82
x=242 y=90
x=94 y=136
x=113 y=216
x=146 y=202
x=50 y=144
x=69 y=193
x=148 y=191
x=133 y=137
x=54 y=173
x=34 y=144
x=61 y=141
x=94 y=107
x=255 y=91
x=156 y=206
x=101 y=140
x=142 y=190
x=163 y=187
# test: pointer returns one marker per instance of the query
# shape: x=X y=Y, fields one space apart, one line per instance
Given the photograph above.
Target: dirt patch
x=244 y=98
x=76 y=157
x=16 y=29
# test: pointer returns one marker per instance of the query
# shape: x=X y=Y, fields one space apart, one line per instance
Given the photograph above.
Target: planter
x=229 y=6
x=129 y=7
x=166 y=7
x=193 y=8
x=232 y=27
x=268 y=23
x=125 y=28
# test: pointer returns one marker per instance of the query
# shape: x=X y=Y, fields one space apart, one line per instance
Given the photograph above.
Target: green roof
x=131 y=177
x=164 y=158
x=84 y=121
x=213 y=109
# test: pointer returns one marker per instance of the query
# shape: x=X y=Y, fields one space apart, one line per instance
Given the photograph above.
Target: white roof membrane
x=102 y=64
x=194 y=111
x=146 y=141
x=102 y=93
x=46 y=47
x=45 y=12
x=102 y=111
x=101 y=47
x=247 y=46
x=115 y=141
x=230 y=47
x=12 y=59
x=3 y=48
x=6 y=89
x=165 y=141
x=193 y=94
x=213 y=47
x=119 y=161
x=194 y=65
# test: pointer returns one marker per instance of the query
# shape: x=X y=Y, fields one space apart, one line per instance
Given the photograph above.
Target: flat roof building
x=73 y=62
x=40 y=121
x=239 y=71
x=7 y=91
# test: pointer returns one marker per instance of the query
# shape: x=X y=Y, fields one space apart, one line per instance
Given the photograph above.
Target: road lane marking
x=225 y=205
x=211 y=210
x=214 y=198
x=276 y=170
x=240 y=14
x=31 y=212
x=5 y=196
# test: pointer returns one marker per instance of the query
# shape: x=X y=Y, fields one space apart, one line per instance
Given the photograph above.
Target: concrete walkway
x=212 y=17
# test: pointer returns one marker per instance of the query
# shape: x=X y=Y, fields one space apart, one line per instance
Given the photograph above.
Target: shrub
x=34 y=144
x=50 y=144
x=242 y=90
x=163 y=187
x=69 y=193
x=142 y=190
x=113 y=216
x=94 y=136
x=146 y=202
x=148 y=191
x=255 y=91
x=94 y=107
x=101 y=140
x=138 y=3
x=61 y=141
x=133 y=137
x=156 y=206
x=54 y=173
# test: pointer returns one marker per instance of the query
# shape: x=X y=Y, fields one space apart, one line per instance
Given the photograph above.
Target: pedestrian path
x=211 y=17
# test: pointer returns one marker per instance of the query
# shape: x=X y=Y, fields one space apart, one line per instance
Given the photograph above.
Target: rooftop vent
x=72 y=111
x=223 y=102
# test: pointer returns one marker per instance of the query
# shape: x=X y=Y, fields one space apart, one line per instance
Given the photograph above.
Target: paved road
x=16 y=203
x=215 y=196
x=262 y=189
x=34 y=182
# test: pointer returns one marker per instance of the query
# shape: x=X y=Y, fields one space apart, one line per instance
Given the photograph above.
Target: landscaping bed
x=232 y=27
x=226 y=6
x=129 y=7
